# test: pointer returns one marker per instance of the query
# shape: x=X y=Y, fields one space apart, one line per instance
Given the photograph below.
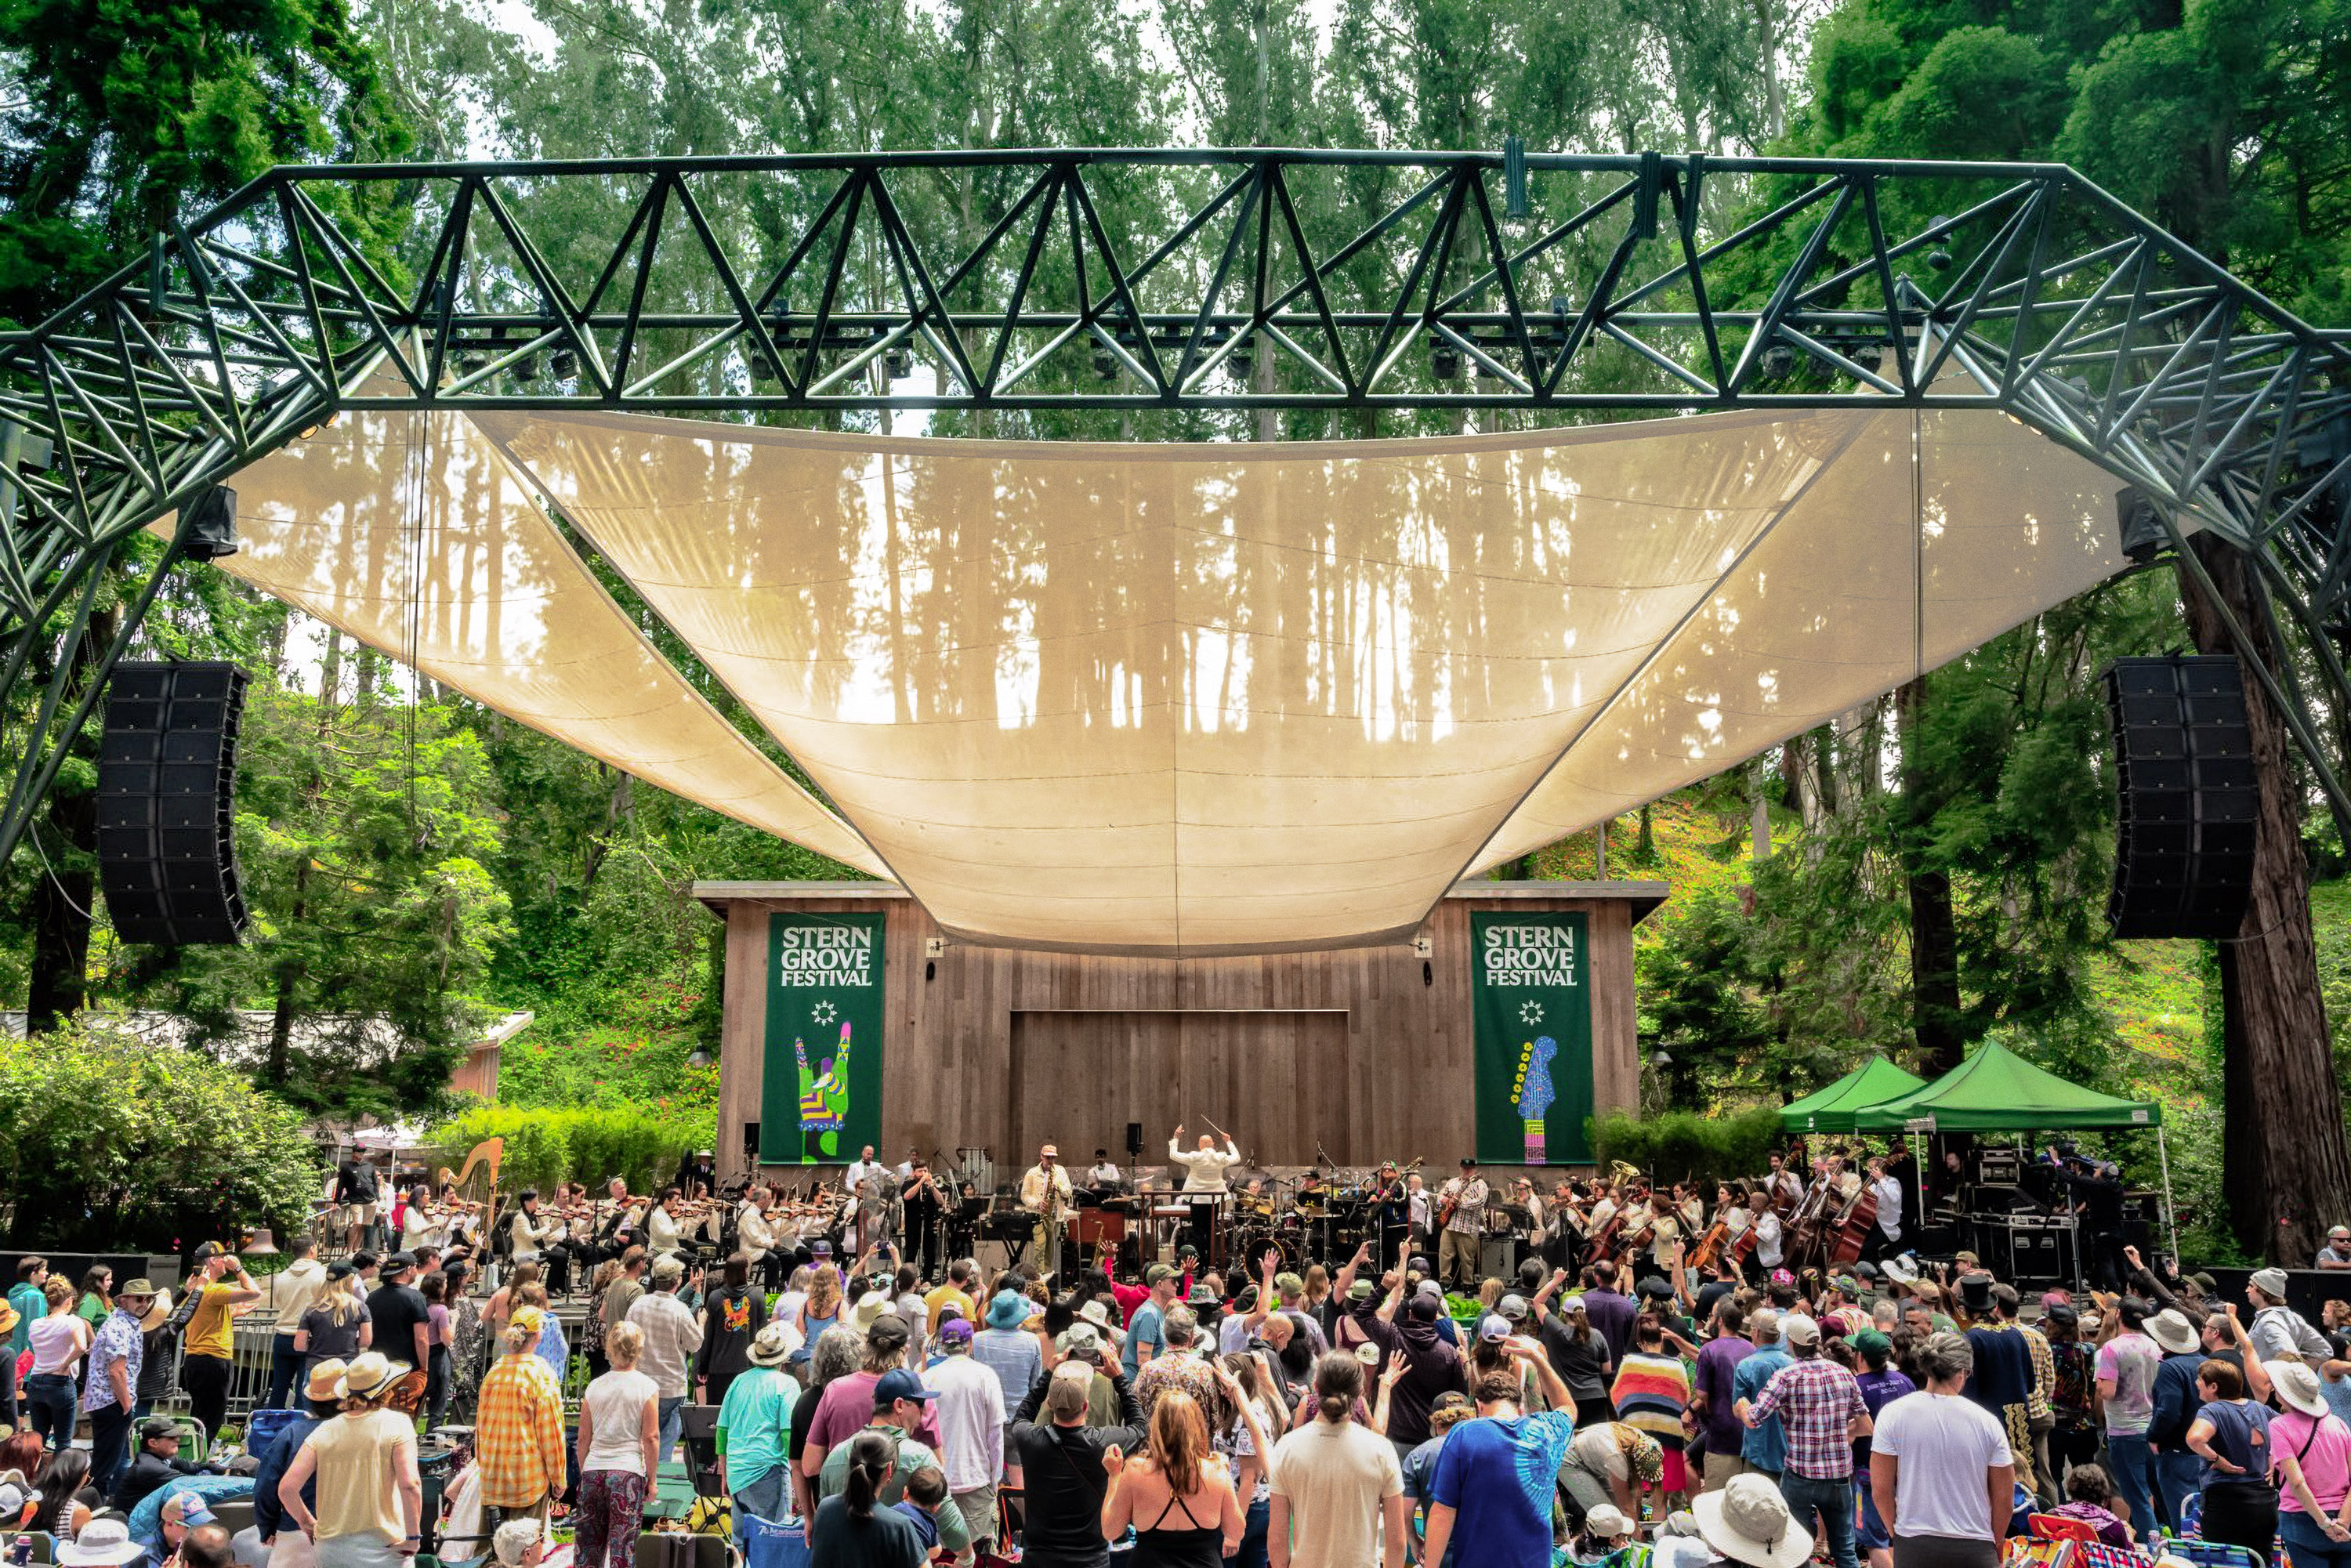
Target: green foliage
x=108 y=1142
x=605 y=1068
x=366 y=835
x=124 y=118
x=1687 y=1145
x=547 y=1146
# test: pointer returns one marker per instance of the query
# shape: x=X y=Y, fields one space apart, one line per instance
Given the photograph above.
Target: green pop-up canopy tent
x=1831 y=1109
x=1997 y=1090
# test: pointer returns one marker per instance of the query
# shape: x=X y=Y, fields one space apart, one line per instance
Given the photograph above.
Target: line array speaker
x=2191 y=802
x=166 y=794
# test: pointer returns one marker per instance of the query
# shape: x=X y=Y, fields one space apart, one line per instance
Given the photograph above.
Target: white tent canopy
x=1200 y=698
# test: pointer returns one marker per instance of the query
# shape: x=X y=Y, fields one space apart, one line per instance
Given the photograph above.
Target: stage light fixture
x=898 y=363
x=563 y=364
x=763 y=369
x=2142 y=531
x=1444 y=360
x=525 y=368
x=1105 y=364
x=1869 y=356
x=1242 y=362
x=1779 y=362
x=1939 y=231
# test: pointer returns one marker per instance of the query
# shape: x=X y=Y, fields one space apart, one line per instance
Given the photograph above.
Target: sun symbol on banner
x=1531 y=1013
x=824 y=1012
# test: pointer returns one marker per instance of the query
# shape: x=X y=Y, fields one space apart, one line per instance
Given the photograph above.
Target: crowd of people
x=1678 y=1390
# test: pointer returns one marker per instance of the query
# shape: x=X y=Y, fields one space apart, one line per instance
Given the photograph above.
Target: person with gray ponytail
x=1337 y=1487
x=1943 y=1464
x=850 y=1530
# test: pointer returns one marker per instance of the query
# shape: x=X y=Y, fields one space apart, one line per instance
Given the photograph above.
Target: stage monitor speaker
x=1134 y=1139
x=166 y=793
x=2190 y=803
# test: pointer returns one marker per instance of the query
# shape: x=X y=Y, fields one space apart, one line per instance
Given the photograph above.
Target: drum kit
x=1301 y=1221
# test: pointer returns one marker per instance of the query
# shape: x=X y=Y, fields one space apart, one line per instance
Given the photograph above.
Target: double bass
x=1853 y=1228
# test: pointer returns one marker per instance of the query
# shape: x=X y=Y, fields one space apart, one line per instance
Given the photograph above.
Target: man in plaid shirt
x=1821 y=1406
x=518 y=1426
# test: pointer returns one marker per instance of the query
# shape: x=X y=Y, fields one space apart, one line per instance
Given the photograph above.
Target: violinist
x=753 y=1238
x=531 y=1233
x=1566 y=1229
x=619 y=1218
x=665 y=1225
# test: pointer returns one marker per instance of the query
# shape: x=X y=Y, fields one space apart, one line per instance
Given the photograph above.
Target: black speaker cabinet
x=166 y=794
x=2190 y=803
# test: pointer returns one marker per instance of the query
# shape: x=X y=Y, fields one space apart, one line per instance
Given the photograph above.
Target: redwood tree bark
x=2288 y=1173
x=1934 y=928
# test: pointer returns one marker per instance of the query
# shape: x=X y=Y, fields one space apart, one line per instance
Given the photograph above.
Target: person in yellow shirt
x=370 y=1502
x=958 y=1287
x=223 y=1289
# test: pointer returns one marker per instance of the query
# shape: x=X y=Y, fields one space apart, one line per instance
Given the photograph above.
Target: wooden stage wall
x=1355 y=1049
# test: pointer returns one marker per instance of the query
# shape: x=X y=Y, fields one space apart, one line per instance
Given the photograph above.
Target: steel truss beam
x=1170 y=284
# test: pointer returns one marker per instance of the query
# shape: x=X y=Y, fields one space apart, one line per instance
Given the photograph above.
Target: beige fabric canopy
x=1208 y=697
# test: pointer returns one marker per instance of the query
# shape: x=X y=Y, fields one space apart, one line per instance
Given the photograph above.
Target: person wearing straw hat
x=754 y=1422
x=268 y=1539
x=1747 y=1520
x=2310 y=1449
x=2176 y=1469
x=110 y=1380
x=1941 y=1466
x=370 y=1503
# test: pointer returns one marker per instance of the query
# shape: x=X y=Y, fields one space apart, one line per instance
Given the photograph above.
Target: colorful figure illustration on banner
x=824 y=1094
x=1534 y=1092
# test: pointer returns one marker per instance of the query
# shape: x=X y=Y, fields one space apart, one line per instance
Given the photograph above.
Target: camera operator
x=2096 y=1190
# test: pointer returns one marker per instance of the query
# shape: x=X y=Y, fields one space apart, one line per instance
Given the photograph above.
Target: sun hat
x=1360 y=1290
x=1203 y=1295
x=1606 y=1522
x=2298 y=1386
x=1747 y=1521
x=668 y=1266
x=1494 y=1329
x=1008 y=1311
x=137 y=1290
x=100 y=1541
x=1097 y=1314
x=370 y=1373
x=1781 y=1277
x=323 y=1377
x=1076 y=1338
x=870 y=1308
x=2171 y=1328
x=157 y=1312
x=771 y=1346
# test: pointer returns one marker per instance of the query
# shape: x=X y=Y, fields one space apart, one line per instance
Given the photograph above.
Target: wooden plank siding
x=1004 y=1048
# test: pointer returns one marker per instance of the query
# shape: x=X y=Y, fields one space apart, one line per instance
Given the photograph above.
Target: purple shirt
x=1717 y=1360
x=1611 y=1316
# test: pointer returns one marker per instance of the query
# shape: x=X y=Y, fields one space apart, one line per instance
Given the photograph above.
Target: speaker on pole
x=2191 y=801
x=166 y=794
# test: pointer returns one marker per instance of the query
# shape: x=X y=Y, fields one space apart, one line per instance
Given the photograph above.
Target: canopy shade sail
x=1225 y=697
x=1997 y=1090
x=1831 y=1109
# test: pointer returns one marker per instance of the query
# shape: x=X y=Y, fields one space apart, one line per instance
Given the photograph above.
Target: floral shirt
x=1192 y=1373
x=118 y=1339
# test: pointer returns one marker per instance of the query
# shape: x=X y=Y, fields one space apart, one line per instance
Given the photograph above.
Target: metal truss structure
x=1183 y=286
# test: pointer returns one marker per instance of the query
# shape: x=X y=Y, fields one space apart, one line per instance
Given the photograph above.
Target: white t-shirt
x=615 y=1405
x=1335 y=1478
x=1946 y=1443
x=56 y=1343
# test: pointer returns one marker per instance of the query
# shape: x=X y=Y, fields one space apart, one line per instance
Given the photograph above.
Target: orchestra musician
x=664 y=1227
x=530 y=1233
x=753 y=1237
x=924 y=1203
x=1782 y=1186
x=1045 y=1192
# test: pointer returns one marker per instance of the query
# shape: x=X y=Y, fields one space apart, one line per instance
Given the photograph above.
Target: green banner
x=821 y=1094
x=1531 y=1000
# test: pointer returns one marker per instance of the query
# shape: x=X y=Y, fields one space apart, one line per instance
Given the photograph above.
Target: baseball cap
x=955 y=1331
x=819 y=1247
x=189 y=1507
x=1513 y=1307
x=1494 y=1328
x=1798 y=1329
x=1869 y=1342
x=1157 y=1274
x=668 y=1267
x=398 y=1261
x=156 y=1427
x=900 y=1384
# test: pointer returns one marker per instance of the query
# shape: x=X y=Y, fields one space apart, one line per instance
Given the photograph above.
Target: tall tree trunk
x=2282 y=1129
x=1934 y=931
x=288 y=977
x=66 y=895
